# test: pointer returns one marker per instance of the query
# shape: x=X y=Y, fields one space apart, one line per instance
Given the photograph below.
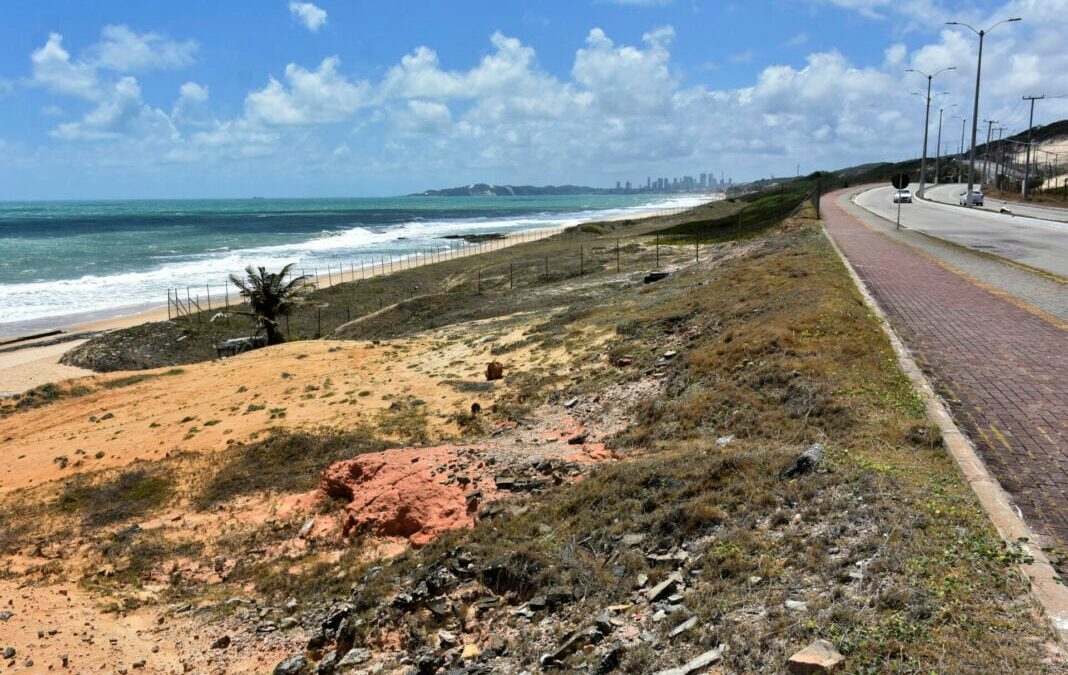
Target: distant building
x=617 y=184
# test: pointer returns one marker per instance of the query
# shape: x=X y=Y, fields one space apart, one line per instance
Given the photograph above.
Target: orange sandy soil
x=400 y=496
x=158 y=416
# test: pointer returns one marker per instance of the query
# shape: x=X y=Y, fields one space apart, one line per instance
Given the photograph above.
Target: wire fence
x=211 y=306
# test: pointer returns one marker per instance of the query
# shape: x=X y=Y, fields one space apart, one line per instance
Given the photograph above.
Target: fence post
x=207 y=291
x=582 y=262
x=227 y=297
x=658 y=250
x=479 y=271
x=168 y=304
x=546 y=269
x=288 y=334
x=510 y=278
x=617 y=255
x=318 y=322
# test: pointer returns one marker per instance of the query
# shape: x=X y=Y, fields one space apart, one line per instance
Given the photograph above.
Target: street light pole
x=926 y=123
x=975 y=109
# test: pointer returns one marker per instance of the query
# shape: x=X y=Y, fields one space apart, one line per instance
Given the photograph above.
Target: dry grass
x=779 y=350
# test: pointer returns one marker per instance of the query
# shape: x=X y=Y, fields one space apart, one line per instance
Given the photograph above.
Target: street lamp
x=926 y=122
x=975 y=110
x=938 y=145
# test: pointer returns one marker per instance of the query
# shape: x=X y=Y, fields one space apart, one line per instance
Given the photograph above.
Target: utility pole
x=1030 y=128
x=975 y=111
x=997 y=160
x=986 y=148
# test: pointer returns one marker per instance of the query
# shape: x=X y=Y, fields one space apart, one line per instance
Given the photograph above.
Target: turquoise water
x=67 y=261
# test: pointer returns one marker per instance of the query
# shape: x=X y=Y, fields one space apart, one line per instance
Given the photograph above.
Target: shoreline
x=33 y=364
x=117 y=318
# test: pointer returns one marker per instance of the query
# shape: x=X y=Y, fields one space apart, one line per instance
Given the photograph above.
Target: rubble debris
x=804 y=463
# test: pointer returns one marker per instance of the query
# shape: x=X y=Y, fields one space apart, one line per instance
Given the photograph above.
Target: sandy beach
x=29 y=366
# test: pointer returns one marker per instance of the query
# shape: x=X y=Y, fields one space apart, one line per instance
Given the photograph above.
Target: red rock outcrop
x=416 y=493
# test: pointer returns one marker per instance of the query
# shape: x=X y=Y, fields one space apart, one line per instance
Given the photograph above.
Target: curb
x=1044 y=582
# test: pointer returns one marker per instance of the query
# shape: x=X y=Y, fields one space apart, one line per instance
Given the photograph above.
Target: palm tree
x=270 y=297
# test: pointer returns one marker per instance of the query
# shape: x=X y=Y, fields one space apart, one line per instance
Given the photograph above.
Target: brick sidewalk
x=1002 y=369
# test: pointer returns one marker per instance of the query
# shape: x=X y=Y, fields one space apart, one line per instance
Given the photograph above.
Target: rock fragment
x=697 y=663
x=819 y=657
x=291 y=666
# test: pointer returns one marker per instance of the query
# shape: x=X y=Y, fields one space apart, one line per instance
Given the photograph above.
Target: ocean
x=63 y=263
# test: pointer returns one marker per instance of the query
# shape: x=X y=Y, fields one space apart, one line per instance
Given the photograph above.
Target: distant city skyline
x=113 y=99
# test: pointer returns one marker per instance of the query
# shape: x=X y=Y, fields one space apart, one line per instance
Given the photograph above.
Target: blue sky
x=150 y=99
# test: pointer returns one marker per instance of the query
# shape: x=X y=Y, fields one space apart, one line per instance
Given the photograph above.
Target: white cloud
x=120 y=113
x=869 y=8
x=123 y=50
x=307 y=13
x=193 y=92
x=797 y=40
x=54 y=70
x=312 y=97
x=423 y=117
x=623 y=109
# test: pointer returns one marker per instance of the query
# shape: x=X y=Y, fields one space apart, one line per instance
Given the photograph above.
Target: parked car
x=903 y=197
x=976 y=198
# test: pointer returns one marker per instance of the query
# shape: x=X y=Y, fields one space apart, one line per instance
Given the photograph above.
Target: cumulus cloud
x=308 y=14
x=622 y=107
x=123 y=50
x=308 y=97
x=54 y=70
x=121 y=112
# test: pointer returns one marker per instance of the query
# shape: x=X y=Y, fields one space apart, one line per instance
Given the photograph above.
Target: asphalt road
x=950 y=194
x=1042 y=244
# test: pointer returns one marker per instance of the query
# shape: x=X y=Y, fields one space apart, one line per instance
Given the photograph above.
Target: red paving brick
x=1003 y=370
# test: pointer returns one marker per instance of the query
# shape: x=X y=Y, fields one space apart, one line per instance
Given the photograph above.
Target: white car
x=903 y=197
x=976 y=199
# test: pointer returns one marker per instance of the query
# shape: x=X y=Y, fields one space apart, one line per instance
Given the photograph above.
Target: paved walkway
x=1002 y=369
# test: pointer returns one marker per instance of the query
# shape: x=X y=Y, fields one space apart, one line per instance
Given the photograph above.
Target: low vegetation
x=282 y=462
x=736 y=365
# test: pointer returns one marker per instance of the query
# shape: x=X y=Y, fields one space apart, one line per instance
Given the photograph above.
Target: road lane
x=1042 y=244
x=950 y=194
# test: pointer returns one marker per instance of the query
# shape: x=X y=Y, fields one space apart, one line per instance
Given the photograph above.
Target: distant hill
x=487 y=190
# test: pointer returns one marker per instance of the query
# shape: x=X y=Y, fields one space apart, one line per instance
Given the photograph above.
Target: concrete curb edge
x=1045 y=584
